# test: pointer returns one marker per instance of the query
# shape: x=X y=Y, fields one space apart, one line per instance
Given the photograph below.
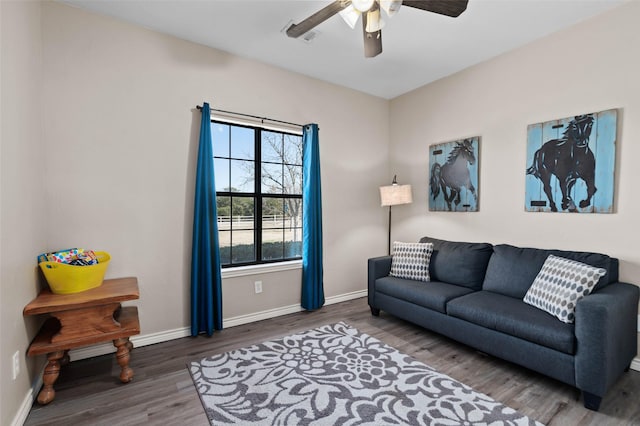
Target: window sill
x=242 y=271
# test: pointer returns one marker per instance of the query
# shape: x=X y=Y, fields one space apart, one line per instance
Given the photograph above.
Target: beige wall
x=590 y=67
x=23 y=218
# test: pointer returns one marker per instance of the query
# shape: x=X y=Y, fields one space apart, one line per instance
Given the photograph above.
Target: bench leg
x=65 y=359
x=591 y=401
x=49 y=377
x=122 y=356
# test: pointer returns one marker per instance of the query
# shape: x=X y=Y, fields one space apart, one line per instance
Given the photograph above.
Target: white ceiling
x=419 y=47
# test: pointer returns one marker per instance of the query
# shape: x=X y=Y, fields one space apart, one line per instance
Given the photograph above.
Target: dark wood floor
x=89 y=392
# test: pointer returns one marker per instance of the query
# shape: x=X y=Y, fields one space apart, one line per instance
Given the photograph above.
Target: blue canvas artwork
x=571 y=164
x=453 y=176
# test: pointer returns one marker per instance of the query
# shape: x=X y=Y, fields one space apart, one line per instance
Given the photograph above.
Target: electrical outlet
x=258 y=286
x=16 y=364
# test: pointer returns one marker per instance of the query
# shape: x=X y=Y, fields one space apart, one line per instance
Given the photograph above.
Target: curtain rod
x=253 y=116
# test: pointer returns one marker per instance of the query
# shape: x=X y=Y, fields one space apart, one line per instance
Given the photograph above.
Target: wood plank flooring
x=88 y=392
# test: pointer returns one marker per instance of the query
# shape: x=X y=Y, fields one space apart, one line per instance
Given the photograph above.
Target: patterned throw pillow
x=560 y=284
x=411 y=260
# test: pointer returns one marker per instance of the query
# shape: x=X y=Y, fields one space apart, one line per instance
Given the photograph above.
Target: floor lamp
x=393 y=195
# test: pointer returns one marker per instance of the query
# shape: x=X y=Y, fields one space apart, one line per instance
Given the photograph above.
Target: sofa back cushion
x=512 y=270
x=459 y=263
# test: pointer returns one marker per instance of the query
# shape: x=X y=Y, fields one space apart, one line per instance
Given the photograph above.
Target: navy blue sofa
x=475 y=297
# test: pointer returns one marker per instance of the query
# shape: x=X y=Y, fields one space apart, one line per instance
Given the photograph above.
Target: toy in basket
x=74 y=270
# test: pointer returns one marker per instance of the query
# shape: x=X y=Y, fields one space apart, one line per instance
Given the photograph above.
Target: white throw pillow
x=411 y=260
x=560 y=284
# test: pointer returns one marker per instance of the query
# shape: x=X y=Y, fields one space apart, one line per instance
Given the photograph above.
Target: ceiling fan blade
x=451 y=8
x=372 y=41
x=296 y=30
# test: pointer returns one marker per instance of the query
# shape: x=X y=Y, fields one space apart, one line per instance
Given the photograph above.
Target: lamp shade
x=393 y=195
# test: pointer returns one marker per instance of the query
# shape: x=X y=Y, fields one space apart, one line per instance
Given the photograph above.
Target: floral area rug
x=335 y=375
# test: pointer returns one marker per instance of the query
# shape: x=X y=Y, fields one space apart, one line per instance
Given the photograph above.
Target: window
x=258 y=175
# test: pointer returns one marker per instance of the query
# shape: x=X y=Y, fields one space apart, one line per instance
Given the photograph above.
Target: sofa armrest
x=378 y=267
x=606 y=334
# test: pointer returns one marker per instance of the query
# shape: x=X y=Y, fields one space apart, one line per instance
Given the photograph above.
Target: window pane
x=272 y=244
x=243 y=249
x=272 y=179
x=242 y=143
x=292 y=179
x=272 y=147
x=292 y=213
x=293 y=149
x=272 y=212
x=223 y=205
x=220 y=138
x=225 y=247
x=293 y=242
x=243 y=213
x=242 y=176
x=293 y=227
x=221 y=169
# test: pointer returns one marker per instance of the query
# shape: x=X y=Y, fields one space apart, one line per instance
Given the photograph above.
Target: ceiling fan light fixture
x=362 y=5
x=350 y=15
x=374 y=21
x=391 y=7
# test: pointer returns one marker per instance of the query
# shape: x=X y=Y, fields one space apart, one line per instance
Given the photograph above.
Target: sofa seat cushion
x=459 y=263
x=514 y=317
x=433 y=295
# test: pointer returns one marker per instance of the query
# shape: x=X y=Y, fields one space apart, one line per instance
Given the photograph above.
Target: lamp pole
x=389 y=238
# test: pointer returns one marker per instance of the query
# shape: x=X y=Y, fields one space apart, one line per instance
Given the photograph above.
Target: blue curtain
x=312 y=287
x=206 y=279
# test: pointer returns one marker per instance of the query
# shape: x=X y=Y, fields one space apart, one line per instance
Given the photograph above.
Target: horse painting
x=572 y=164
x=568 y=158
x=450 y=178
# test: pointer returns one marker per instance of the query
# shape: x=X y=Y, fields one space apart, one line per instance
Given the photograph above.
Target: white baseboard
x=25 y=407
x=346 y=296
x=286 y=310
x=262 y=315
x=138 y=341
x=27 y=402
x=177 y=333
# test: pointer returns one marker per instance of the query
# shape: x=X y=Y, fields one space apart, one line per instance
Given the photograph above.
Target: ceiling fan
x=372 y=21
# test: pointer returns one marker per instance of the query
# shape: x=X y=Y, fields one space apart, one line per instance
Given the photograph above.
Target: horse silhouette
x=569 y=159
x=454 y=174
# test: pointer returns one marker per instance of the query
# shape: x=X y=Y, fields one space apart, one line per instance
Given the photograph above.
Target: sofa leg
x=591 y=401
x=374 y=311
